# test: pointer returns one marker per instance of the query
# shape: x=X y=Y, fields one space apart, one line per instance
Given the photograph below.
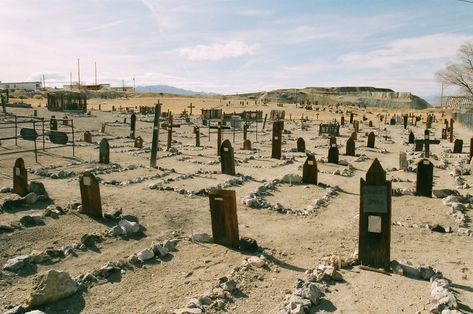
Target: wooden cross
x=426 y=142
x=190 y=107
x=169 y=126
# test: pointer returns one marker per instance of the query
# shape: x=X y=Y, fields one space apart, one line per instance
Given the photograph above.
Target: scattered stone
x=18 y=263
x=31 y=221
x=37 y=188
x=30 y=198
x=247 y=244
x=160 y=250
x=50 y=287
x=129 y=227
x=257 y=261
x=202 y=237
x=145 y=255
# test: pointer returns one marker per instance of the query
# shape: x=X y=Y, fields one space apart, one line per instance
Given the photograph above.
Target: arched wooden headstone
x=87 y=137
x=370 y=124
x=342 y=120
x=247 y=145
x=90 y=195
x=300 y=145
x=354 y=136
x=425 y=178
x=405 y=121
x=102 y=128
x=278 y=127
x=20 y=178
x=132 y=125
x=333 y=140
x=371 y=140
x=223 y=214
x=104 y=151
x=245 y=131
x=350 y=149
x=351 y=118
x=411 y=137
x=138 y=142
x=333 y=154
x=53 y=123
x=458 y=146
x=309 y=170
x=403 y=164
x=374 y=244
x=227 y=159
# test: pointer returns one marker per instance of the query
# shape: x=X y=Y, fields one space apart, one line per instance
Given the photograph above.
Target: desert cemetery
x=159 y=203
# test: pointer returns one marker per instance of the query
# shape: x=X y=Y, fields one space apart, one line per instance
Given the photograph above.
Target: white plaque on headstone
x=18 y=171
x=310 y=162
x=218 y=198
x=374 y=224
x=86 y=181
x=225 y=149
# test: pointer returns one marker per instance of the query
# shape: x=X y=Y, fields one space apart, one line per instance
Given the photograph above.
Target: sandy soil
x=297 y=242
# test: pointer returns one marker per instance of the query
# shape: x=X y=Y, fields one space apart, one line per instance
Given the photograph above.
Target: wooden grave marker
x=155 y=140
x=426 y=142
x=247 y=145
x=132 y=125
x=403 y=164
x=300 y=145
x=351 y=147
x=371 y=140
x=354 y=136
x=451 y=130
x=342 y=120
x=351 y=117
x=104 y=151
x=245 y=131
x=87 y=137
x=458 y=146
x=223 y=214
x=471 y=149
x=425 y=178
x=138 y=142
x=197 y=136
x=412 y=138
x=53 y=123
x=227 y=158
x=374 y=245
x=332 y=140
x=90 y=195
x=405 y=121
x=276 y=142
x=333 y=154
x=309 y=170
x=20 y=178
x=65 y=120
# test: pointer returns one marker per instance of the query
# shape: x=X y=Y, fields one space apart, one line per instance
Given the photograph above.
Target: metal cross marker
x=426 y=142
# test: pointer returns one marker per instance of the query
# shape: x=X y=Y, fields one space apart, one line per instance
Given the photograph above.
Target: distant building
x=21 y=85
x=75 y=86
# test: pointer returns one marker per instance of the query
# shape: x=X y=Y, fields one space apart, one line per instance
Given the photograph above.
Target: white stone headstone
x=403 y=164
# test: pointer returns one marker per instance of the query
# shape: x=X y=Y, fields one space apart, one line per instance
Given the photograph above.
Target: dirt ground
x=296 y=242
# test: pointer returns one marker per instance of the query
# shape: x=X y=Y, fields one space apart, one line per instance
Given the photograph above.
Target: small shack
x=67 y=101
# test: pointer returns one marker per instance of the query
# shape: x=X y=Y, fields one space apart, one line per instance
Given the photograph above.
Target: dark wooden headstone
x=155 y=140
x=411 y=137
x=247 y=145
x=350 y=149
x=138 y=142
x=374 y=245
x=351 y=118
x=451 y=130
x=354 y=135
x=197 y=136
x=278 y=127
x=20 y=178
x=223 y=214
x=333 y=154
x=342 y=120
x=28 y=134
x=87 y=137
x=333 y=140
x=132 y=125
x=53 y=123
x=245 y=131
x=227 y=159
x=370 y=124
x=58 y=137
x=90 y=195
x=65 y=120
x=444 y=134
x=458 y=146
x=371 y=140
x=300 y=145
x=471 y=150
x=104 y=151
x=425 y=177
x=392 y=121
x=309 y=170
x=405 y=121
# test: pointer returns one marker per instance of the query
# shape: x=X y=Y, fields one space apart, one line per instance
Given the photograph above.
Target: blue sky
x=234 y=46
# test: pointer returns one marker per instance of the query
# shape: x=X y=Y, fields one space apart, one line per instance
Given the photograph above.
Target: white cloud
x=406 y=50
x=219 y=51
x=256 y=13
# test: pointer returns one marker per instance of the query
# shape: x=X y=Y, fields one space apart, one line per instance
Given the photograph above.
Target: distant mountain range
x=169 y=90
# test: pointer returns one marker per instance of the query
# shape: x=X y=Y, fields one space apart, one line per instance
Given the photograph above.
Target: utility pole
x=70 y=78
x=134 y=87
x=95 y=64
x=441 y=98
x=123 y=85
x=44 y=82
x=78 y=72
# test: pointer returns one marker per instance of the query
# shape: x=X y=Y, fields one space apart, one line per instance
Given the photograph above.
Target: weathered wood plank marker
x=87 y=137
x=138 y=142
x=53 y=123
x=300 y=145
x=425 y=178
x=223 y=214
x=333 y=154
x=132 y=125
x=350 y=147
x=90 y=195
x=170 y=126
x=104 y=151
x=197 y=136
x=371 y=140
x=451 y=130
x=458 y=146
x=471 y=150
x=411 y=138
x=247 y=145
x=155 y=141
x=309 y=170
x=374 y=245
x=278 y=127
x=20 y=178
x=227 y=158
x=426 y=142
